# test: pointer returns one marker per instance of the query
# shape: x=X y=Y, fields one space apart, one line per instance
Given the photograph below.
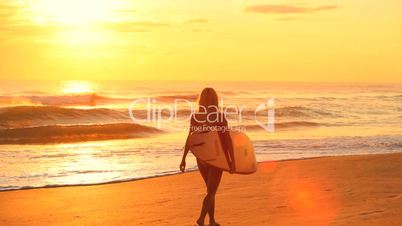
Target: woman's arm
x=228 y=144
x=186 y=148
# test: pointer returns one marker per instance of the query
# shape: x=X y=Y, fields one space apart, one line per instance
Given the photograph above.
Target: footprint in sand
x=371 y=212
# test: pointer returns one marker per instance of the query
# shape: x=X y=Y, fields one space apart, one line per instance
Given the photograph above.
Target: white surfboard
x=207 y=147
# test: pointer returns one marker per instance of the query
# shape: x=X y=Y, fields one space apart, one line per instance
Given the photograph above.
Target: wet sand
x=347 y=190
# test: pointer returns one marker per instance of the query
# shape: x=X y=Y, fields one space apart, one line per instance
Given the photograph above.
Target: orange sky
x=345 y=40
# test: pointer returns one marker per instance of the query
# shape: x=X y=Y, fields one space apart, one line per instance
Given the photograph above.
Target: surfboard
x=206 y=146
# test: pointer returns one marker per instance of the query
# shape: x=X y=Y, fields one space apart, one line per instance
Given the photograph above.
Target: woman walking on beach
x=209 y=118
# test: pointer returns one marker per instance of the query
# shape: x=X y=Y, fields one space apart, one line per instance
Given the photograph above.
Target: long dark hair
x=208 y=101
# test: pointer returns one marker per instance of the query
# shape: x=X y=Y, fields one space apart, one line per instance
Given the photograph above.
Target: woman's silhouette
x=209 y=118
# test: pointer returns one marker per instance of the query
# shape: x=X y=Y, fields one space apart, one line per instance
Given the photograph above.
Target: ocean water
x=55 y=133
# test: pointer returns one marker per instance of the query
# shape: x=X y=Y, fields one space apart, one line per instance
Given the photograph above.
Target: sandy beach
x=347 y=190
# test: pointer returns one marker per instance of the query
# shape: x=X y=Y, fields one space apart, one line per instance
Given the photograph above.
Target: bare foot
x=200 y=222
x=214 y=224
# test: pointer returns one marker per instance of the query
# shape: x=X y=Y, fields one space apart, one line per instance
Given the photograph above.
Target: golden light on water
x=91 y=167
x=77 y=87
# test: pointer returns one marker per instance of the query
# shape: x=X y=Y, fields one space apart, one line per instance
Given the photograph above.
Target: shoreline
x=179 y=173
x=342 y=190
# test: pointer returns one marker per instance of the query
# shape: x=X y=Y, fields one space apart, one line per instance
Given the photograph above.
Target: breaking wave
x=75 y=133
x=29 y=116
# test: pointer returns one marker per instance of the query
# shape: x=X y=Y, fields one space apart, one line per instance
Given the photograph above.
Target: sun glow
x=72 y=12
x=77 y=87
x=85 y=37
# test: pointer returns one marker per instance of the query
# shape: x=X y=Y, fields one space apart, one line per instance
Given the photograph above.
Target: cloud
x=327 y=7
x=12 y=24
x=135 y=26
x=8 y=5
x=30 y=30
x=148 y=24
x=7 y=12
x=10 y=9
x=285 y=9
x=196 y=21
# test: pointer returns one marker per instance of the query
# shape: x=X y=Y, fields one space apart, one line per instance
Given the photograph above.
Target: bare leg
x=212 y=177
x=215 y=176
x=204 y=170
x=204 y=210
